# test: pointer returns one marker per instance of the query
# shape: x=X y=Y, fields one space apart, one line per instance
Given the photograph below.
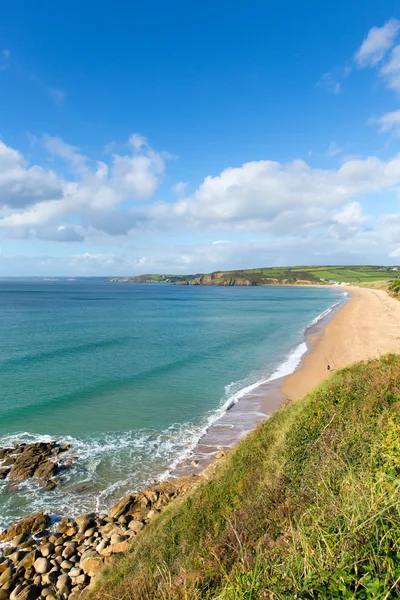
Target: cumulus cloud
x=37 y=201
x=22 y=185
x=104 y=200
x=378 y=41
x=280 y=199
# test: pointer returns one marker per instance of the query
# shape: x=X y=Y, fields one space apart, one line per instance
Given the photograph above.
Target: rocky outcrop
x=65 y=562
x=38 y=460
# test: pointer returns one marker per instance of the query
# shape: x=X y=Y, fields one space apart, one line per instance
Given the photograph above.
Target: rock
x=42 y=565
x=4 y=594
x=4 y=472
x=6 y=576
x=89 y=532
x=16 y=556
x=75 y=572
x=117 y=539
x=33 y=524
x=68 y=552
x=88 y=518
x=47 y=549
x=32 y=592
x=63 y=585
x=128 y=505
x=19 y=539
x=136 y=526
x=4 y=565
x=16 y=591
x=220 y=455
x=5 y=452
x=66 y=564
x=46 y=470
x=92 y=565
x=120 y=547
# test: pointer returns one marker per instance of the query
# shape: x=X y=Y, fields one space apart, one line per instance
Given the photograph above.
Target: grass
x=313 y=274
x=307 y=506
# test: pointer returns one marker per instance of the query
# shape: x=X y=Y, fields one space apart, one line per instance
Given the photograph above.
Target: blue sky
x=168 y=137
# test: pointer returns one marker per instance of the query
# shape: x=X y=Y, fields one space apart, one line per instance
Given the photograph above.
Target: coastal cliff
x=273 y=276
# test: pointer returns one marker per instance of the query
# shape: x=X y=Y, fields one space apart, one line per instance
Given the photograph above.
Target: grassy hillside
x=307 y=506
x=278 y=275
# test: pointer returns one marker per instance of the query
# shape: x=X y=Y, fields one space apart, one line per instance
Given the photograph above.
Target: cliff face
x=230 y=279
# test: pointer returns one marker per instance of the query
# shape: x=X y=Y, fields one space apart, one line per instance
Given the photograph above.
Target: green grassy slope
x=274 y=275
x=307 y=506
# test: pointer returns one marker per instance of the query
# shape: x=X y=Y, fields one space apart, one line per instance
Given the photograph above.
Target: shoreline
x=363 y=326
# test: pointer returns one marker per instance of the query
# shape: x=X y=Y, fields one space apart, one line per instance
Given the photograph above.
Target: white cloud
x=91 y=200
x=391 y=70
x=103 y=202
x=389 y=122
x=333 y=150
x=21 y=185
x=179 y=188
x=330 y=83
x=281 y=199
x=378 y=41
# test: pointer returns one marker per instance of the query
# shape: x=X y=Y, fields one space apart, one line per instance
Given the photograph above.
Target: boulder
x=136 y=526
x=47 y=549
x=6 y=575
x=92 y=565
x=33 y=524
x=46 y=470
x=4 y=471
x=42 y=565
x=32 y=592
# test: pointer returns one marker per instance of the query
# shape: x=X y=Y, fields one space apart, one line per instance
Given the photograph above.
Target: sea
x=133 y=375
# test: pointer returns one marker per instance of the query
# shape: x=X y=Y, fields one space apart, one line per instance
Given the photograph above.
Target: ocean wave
x=108 y=466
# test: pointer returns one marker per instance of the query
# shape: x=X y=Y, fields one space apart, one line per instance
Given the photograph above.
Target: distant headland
x=301 y=275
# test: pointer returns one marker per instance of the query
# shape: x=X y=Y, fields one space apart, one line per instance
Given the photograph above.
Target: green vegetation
x=307 y=506
x=279 y=275
x=395 y=286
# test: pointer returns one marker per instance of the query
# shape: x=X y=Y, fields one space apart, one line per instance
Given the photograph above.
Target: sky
x=192 y=137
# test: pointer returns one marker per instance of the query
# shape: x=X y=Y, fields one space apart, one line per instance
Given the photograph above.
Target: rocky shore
x=64 y=560
x=40 y=460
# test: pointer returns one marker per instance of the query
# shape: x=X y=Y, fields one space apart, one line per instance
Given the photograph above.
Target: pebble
x=68 y=562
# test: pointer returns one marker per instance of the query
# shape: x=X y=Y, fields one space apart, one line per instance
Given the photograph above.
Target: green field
x=280 y=275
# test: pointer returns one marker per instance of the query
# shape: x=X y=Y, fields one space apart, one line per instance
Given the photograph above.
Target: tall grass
x=307 y=506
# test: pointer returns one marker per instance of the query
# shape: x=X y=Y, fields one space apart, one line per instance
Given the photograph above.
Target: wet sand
x=365 y=326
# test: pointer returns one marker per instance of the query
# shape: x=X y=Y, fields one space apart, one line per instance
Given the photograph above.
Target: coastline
x=363 y=326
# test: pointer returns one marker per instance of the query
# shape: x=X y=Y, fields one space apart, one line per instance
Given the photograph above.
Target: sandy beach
x=367 y=326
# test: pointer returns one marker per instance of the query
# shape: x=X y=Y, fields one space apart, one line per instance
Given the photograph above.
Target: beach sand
x=364 y=327
x=367 y=326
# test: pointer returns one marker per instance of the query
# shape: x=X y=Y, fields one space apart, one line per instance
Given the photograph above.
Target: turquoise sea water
x=132 y=374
